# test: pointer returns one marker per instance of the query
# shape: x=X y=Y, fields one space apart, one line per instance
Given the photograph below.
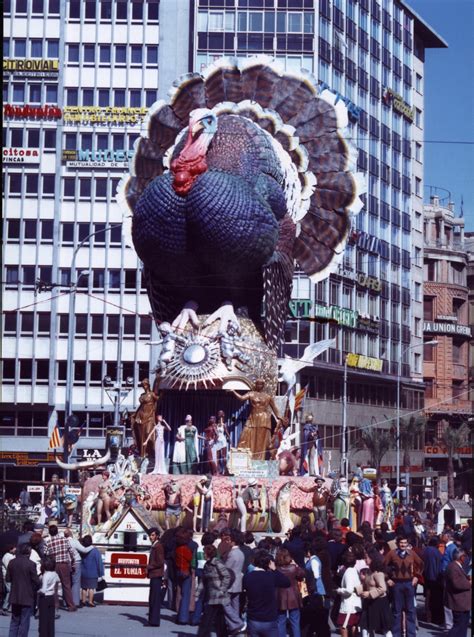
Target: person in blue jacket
x=92 y=569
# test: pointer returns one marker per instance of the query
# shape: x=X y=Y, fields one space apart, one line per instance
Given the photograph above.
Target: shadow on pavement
x=136 y=618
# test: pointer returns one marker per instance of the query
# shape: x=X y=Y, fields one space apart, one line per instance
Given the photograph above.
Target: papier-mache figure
x=250 y=497
x=320 y=498
x=168 y=345
x=173 y=502
x=231 y=346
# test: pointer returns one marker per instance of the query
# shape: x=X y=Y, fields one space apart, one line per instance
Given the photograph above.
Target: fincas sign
x=20 y=156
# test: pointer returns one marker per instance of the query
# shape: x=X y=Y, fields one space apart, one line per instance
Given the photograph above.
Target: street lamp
x=71 y=332
x=399 y=379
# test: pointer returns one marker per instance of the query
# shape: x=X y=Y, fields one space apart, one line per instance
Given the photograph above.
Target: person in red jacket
x=155 y=571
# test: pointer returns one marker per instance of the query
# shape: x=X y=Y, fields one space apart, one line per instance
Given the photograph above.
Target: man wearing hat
x=250 y=497
x=320 y=498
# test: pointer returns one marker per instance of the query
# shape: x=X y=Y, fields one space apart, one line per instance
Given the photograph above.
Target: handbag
x=101 y=585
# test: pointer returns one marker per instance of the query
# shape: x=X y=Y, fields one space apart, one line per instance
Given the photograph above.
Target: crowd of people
x=40 y=570
x=363 y=583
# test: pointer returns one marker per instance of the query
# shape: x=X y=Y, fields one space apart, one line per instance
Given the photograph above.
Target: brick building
x=446 y=321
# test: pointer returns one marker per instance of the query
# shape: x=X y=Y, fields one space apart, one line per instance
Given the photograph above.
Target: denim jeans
x=20 y=622
x=262 y=629
x=6 y=597
x=294 y=617
x=76 y=583
x=184 y=583
x=404 y=600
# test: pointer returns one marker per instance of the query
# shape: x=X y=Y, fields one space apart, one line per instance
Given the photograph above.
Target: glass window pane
x=18 y=92
x=120 y=51
x=73 y=53
x=36 y=48
x=89 y=53
x=53 y=48
x=51 y=93
x=135 y=98
x=121 y=8
x=84 y=187
x=35 y=93
x=103 y=97
x=20 y=48
x=137 y=10
x=90 y=9
x=152 y=54
x=106 y=9
x=255 y=21
x=136 y=54
x=88 y=97
x=32 y=184
x=119 y=97
x=17 y=137
x=105 y=53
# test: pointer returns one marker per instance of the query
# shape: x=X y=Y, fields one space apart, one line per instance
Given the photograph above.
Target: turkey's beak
x=198 y=126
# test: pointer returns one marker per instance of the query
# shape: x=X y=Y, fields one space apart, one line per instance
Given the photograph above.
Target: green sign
x=338 y=314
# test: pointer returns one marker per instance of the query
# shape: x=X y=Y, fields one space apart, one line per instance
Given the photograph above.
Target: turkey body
x=214 y=244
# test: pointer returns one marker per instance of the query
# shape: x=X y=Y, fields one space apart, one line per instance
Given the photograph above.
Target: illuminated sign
x=352 y=110
x=20 y=156
x=31 y=112
x=363 y=280
x=391 y=98
x=364 y=362
x=97 y=158
x=446 y=328
x=341 y=315
x=103 y=115
x=300 y=308
x=31 y=67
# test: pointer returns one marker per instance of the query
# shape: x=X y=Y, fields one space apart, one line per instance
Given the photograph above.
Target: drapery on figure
x=257 y=430
x=143 y=420
x=159 y=433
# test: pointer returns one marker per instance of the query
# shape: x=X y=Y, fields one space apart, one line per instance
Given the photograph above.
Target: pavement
x=119 y=621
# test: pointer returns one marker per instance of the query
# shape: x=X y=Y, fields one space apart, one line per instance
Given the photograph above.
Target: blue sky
x=449 y=100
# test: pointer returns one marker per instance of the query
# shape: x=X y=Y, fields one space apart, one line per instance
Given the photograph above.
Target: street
x=118 y=621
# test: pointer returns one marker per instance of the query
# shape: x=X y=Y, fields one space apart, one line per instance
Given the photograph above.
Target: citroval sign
x=446 y=328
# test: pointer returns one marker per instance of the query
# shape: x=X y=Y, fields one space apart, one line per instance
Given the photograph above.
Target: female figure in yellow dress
x=257 y=430
x=143 y=420
x=355 y=502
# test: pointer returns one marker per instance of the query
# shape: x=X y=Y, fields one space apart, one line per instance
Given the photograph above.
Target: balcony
x=456 y=244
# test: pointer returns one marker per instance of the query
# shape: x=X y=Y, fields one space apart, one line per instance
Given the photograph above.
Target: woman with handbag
x=92 y=569
x=216 y=579
x=289 y=599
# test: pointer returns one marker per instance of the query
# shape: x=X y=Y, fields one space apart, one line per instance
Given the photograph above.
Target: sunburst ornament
x=196 y=359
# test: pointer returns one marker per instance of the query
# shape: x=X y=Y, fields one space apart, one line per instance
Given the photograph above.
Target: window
x=71 y=97
x=10 y=322
x=114 y=278
x=458 y=390
x=44 y=322
x=121 y=10
x=33 y=137
x=90 y=9
x=54 y=7
x=53 y=48
x=28 y=274
x=458 y=350
x=418 y=151
x=37 y=6
x=116 y=233
x=49 y=138
x=120 y=49
x=20 y=48
x=89 y=53
x=68 y=232
x=98 y=324
x=88 y=97
x=295 y=22
x=137 y=10
x=418 y=117
x=18 y=92
x=15 y=183
x=32 y=184
x=418 y=186
x=73 y=53
x=119 y=97
x=84 y=187
x=113 y=324
x=136 y=57
x=118 y=141
x=150 y=97
x=47 y=230
x=14 y=229
x=151 y=54
x=48 y=185
x=129 y=325
x=101 y=188
x=31 y=229
x=135 y=98
x=12 y=274
x=36 y=48
x=153 y=8
x=17 y=137
x=104 y=53
x=75 y=9
x=51 y=94
x=106 y=10
x=26 y=369
x=86 y=141
x=69 y=187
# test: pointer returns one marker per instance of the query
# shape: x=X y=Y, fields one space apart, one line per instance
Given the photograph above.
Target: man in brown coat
x=21 y=573
x=458 y=594
x=155 y=571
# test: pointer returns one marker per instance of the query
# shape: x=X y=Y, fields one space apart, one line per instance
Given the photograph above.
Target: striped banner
x=56 y=440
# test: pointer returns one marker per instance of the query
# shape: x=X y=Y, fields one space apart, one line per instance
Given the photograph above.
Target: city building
x=371 y=54
x=469 y=243
x=446 y=320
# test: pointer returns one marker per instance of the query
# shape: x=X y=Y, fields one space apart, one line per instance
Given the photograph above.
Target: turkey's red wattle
x=189 y=164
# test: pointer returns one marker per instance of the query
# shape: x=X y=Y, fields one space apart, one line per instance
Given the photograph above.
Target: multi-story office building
x=446 y=320
x=104 y=62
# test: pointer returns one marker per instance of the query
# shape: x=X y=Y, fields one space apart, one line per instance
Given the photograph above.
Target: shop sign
x=103 y=115
x=20 y=156
x=447 y=318
x=398 y=104
x=97 y=158
x=128 y=565
x=25 y=459
x=414 y=468
x=90 y=454
x=31 y=67
x=364 y=362
x=446 y=328
x=31 y=112
x=353 y=110
x=300 y=308
x=365 y=281
x=341 y=315
x=434 y=450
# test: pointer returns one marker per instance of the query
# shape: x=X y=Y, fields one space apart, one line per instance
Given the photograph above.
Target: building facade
x=446 y=321
x=370 y=53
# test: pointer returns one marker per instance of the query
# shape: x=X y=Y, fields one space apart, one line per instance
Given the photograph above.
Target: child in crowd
x=46 y=606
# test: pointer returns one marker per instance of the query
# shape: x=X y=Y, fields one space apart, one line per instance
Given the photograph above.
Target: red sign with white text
x=128 y=565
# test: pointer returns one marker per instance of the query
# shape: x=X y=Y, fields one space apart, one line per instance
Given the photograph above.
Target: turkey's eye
x=209 y=120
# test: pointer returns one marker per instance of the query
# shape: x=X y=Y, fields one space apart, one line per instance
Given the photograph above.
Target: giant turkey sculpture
x=245 y=170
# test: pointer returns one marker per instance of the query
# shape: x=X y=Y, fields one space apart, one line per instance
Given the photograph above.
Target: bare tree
x=452 y=439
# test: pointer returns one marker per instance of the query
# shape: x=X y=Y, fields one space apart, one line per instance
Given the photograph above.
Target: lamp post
x=70 y=336
x=344 y=463
x=399 y=379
